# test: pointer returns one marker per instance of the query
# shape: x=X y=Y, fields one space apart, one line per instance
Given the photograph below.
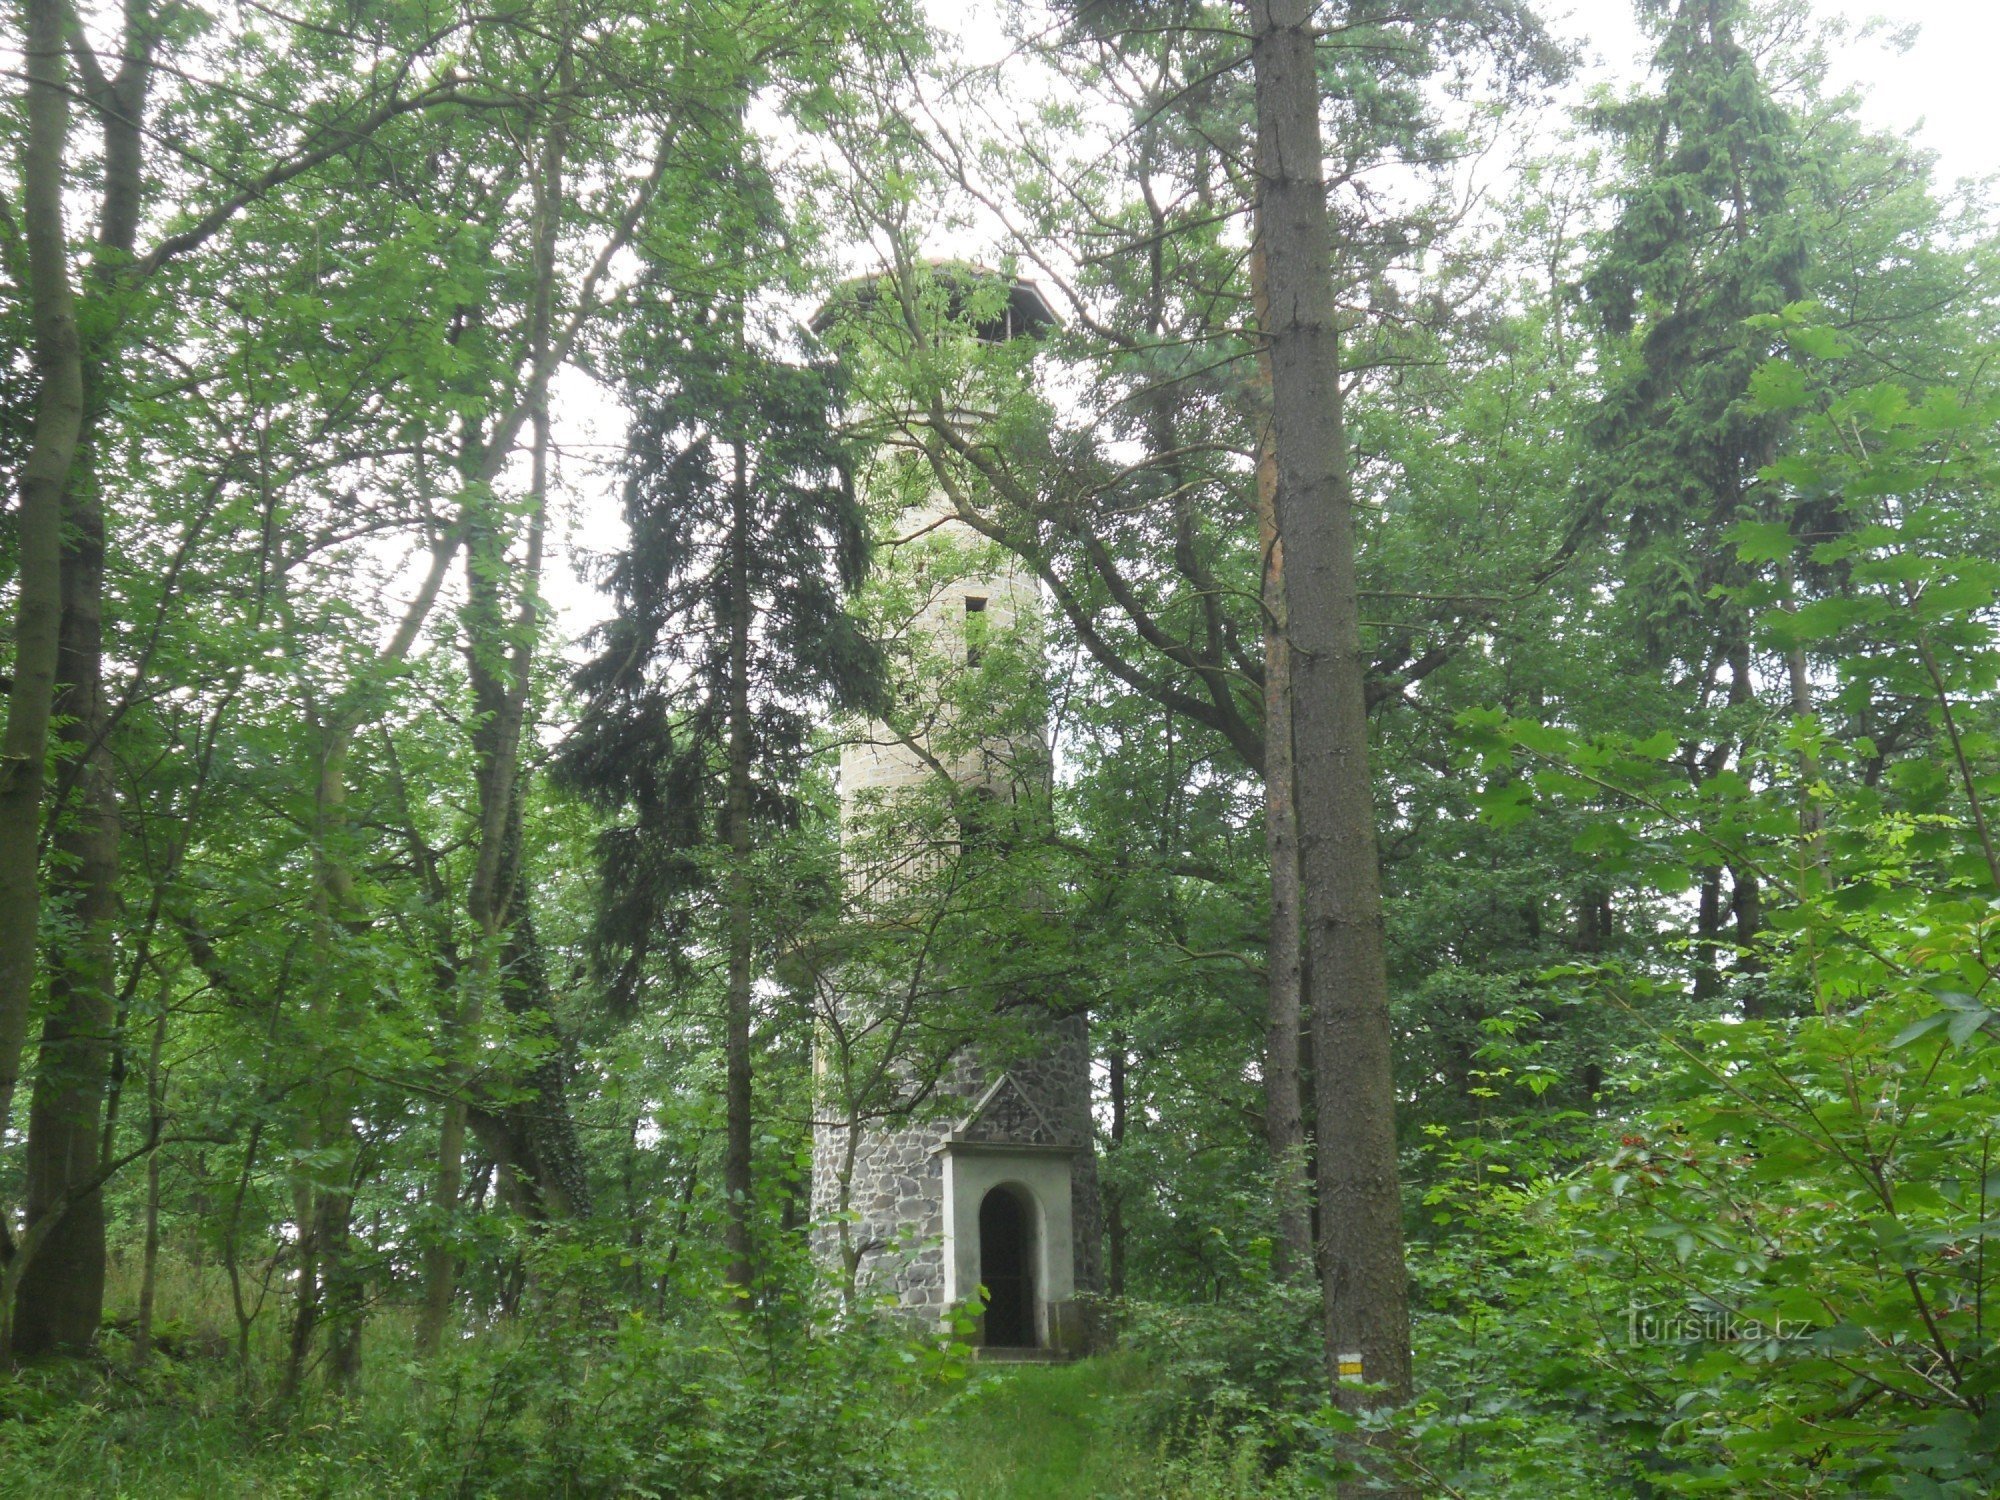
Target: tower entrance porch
x=1009 y=1226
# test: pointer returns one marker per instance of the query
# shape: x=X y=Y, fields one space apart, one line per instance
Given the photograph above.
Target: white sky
x=1944 y=83
x=1942 y=87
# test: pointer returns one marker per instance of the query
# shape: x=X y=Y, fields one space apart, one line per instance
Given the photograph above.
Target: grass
x=1025 y=1433
x=1059 y=1432
x=188 y=1425
x=1033 y=1432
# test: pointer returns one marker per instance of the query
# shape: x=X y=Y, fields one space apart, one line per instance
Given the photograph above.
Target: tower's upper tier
x=1025 y=312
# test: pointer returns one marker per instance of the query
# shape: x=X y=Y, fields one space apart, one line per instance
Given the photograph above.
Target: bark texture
x=736 y=1156
x=1366 y=1287
x=1114 y=1196
x=60 y=1298
x=58 y=364
x=1284 y=1123
x=61 y=1281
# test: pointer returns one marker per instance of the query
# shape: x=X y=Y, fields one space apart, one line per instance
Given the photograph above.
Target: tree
x=1709 y=233
x=731 y=634
x=45 y=477
x=1361 y=1212
x=65 y=1175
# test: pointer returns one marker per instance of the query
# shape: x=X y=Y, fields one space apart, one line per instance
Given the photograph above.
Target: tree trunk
x=736 y=1161
x=149 y=1266
x=1366 y=1286
x=59 y=1301
x=60 y=1292
x=338 y=1297
x=58 y=365
x=1114 y=1208
x=324 y=1201
x=142 y=1336
x=533 y=1132
x=498 y=678
x=500 y=671
x=1284 y=1124
x=1707 y=932
x=1799 y=676
x=441 y=1259
x=1747 y=903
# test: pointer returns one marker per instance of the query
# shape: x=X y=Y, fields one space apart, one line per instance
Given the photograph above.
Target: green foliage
x=1796 y=1213
x=707 y=1406
x=1092 y=1430
x=1246 y=1361
x=698 y=1407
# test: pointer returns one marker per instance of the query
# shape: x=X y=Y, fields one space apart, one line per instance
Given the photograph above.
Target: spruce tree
x=731 y=642
x=1708 y=237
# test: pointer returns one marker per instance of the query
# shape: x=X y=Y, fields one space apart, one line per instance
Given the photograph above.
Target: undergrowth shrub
x=1233 y=1405
x=724 y=1397
x=1247 y=1359
x=714 y=1408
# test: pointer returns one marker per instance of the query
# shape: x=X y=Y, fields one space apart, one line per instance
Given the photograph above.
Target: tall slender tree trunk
x=149 y=1270
x=60 y=1298
x=1114 y=1208
x=736 y=1157
x=1366 y=1287
x=58 y=365
x=1746 y=903
x=338 y=1300
x=324 y=1201
x=498 y=670
x=61 y=1288
x=496 y=733
x=1707 y=933
x=1798 y=675
x=1746 y=899
x=1284 y=1122
x=501 y=663
x=441 y=1259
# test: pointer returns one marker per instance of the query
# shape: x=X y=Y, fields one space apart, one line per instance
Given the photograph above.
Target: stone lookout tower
x=988 y=1179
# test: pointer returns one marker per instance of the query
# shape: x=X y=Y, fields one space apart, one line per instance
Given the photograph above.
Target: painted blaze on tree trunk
x=1361 y=1245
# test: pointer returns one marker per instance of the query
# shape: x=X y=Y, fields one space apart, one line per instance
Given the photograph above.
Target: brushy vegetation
x=714 y=1406
x=707 y=1403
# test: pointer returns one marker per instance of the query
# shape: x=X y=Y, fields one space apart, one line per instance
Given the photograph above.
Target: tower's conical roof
x=1026 y=311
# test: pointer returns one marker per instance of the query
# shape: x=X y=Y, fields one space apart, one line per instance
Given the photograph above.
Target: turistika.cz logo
x=1706 y=1325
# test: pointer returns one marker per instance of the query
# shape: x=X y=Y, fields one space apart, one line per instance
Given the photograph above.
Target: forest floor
x=1033 y=1432
x=1020 y=1432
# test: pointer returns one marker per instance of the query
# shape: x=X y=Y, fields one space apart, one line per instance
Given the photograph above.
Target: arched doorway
x=1007 y=1267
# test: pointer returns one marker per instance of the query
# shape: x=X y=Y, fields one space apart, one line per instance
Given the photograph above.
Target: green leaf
x=1761 y=541
x=1506 y=804
x=1965 y=1023
x=1663 y=745
x=1918 y=1029
x=1780 y=386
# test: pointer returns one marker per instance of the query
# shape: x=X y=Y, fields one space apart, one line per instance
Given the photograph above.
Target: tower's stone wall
x=896 y=1209
x=943 y=564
